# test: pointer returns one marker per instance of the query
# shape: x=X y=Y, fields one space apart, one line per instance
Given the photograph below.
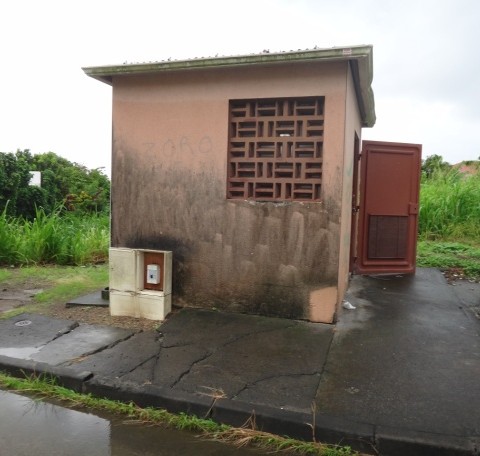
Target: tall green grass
x=450 y=206
x=57 y=238
x=9 y=239
x=449 y=210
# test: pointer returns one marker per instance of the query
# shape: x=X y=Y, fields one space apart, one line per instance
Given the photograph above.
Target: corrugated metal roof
x=359 y=57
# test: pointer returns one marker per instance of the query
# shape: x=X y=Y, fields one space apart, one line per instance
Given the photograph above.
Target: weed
x=46 y=387
x=446 y=255
x=57 y=238
x=250 y=435
x=9 y=239
x=450 y=206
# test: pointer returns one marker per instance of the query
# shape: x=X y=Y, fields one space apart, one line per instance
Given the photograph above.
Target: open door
x=388 y=213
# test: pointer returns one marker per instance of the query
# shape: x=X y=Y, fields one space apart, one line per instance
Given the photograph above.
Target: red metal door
x=388 y=217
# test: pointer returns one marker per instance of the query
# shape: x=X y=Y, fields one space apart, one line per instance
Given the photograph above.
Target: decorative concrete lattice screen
x=275 y=149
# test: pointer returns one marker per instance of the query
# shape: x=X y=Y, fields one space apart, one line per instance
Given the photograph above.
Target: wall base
x=323 y=304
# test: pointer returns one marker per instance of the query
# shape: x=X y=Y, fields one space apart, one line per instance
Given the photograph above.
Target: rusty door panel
x=388 y=218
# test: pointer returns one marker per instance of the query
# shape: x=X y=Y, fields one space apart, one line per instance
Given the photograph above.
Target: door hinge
x=413 y=208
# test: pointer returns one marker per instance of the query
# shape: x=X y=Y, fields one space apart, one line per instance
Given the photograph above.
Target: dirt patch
x=98 y=316
x=16 y=293
x=454 y=274
x=13 y=298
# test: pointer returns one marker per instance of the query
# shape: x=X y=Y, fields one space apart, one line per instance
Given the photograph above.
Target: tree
x=433 y=164
x=16 y=195
x=63 y=183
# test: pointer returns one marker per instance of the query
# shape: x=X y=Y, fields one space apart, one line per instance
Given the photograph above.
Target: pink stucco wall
x=352 y=128
x=170 y=134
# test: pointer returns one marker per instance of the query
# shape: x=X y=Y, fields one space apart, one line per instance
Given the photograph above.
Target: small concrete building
x=242 y=168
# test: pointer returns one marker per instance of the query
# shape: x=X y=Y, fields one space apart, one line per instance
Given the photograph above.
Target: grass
x=54 y=239
x=46 y=388
x=450 y=206
x=62 y=282
x=78 y=281
x=449 y=222
x=4 y=275
x=447 y=255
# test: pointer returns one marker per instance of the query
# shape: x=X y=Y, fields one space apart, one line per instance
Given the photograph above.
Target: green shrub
x=450 y=206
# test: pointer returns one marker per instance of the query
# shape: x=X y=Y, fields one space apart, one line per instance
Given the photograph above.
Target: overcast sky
x=425 y=56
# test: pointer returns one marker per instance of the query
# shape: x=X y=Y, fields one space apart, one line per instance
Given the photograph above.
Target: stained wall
x=169 y=173
x=353 y=128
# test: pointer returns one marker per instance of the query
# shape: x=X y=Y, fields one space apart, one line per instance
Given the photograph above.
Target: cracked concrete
x=174 y=363
x=203 y=351
x=81 y=341
x=26 y=334
x=241 y=357
x=401 y=371
x=122 y=358
x=294 y=391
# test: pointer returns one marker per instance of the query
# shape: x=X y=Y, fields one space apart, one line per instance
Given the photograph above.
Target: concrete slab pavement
x=397 y=375
x=407 y=360
x=267 y=361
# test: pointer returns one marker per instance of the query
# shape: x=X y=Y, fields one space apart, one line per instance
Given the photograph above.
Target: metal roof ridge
x=342 y=52
x=360 y=56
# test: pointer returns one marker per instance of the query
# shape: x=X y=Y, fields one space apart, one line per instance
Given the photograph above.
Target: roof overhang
x=360 y=59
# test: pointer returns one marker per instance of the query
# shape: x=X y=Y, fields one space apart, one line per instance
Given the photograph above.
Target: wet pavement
x=396 y=375
x=408 y=361
x=30 y=426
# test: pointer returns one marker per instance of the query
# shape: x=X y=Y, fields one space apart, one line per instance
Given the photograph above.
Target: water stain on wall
x=254 y=257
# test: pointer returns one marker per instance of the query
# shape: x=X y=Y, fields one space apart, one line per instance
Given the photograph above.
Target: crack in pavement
x=141 y=364
x=243 y=336
x=211 y=352
x=323 y=368
x=271 y=377
x=235 y=339
x=74 y=326
x=96 y=350
x=176 y=345
x=186 y=372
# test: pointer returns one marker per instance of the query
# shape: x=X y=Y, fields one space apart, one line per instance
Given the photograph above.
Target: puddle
x=33 y=427
x=30 y=427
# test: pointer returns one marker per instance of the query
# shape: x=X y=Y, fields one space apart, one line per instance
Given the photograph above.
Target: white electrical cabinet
x=140 y=283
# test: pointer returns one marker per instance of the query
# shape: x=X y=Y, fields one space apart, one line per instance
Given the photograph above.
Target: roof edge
x=361 y=58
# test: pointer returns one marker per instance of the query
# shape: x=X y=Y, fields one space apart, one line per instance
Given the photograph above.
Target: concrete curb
x=171 y=400
x=399 y=442
x=297 y=424
x=362 y=437
x=284 y=422
x=64 y=376
x=341 y=431
x=265 y=418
